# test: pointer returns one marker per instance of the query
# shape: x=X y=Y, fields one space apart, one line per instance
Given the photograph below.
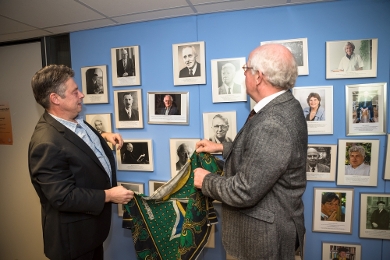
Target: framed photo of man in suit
x=332 y=210
x=101 y=123
x=374 y=215
x=128 y=108
x=94 y=84
x=189 y=63
x=228 y=80
x=125 y=66
x=366 y=109
x=168 y=108
x=321 y=162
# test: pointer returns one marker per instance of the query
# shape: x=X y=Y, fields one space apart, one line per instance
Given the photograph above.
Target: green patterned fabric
x=175 y=221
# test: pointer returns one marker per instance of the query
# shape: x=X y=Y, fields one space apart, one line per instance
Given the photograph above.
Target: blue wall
x=231 y=35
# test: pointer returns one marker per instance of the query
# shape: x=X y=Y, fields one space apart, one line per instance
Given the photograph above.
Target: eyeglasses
x=246 y=67
x=224 y=127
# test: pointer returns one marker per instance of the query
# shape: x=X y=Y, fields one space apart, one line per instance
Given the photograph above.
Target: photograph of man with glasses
x=220 y=127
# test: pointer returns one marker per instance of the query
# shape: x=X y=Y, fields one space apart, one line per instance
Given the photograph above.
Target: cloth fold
x=175 y=221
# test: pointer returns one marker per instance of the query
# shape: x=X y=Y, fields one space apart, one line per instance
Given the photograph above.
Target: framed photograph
x=180 y=152
x=336 y=251
x=374 y=215
x=220 y=127
x=228 y=80
x=137 y=187
x=332 y=210
x=128 y=108
x=298 y=48
x=189 y=63
x=154 y=185
x=321 y=162
x=358 y=162
x=387 y=168
x=135 y=155
x=351 y=58
x=366 y=109
x=125 y=66
x=168 y=108
x=101 y=123
x=94 y=84
x=317 y=107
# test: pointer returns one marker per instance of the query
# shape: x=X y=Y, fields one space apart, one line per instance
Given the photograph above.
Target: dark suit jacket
x=123 y=116
x=184 y=73
x=265 y=166
x=70 y=182
x=382 y=219
x=172 y=111
x=129 y=68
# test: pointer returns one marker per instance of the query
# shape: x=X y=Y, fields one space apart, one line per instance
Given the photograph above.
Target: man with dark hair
x=380 y=217
x=341 y=254
x=330 y=206
x=128 y=113
x=72 y=170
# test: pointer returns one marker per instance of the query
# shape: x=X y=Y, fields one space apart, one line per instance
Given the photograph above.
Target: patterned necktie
x=191 y=72
x=251 y=114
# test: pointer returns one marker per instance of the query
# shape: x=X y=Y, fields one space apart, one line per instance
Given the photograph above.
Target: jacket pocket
x=260 y=214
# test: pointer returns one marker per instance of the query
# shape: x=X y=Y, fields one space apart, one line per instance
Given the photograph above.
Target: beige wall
x=20 y=217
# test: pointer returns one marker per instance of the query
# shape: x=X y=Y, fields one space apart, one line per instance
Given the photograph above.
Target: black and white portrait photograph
x=101 y=123
x=228 y=80
x=125 y=66
x=299 y=49
x=366 y=109
x=220 y=127
x=321 y=162
x=351 y=58
x=341 y=251
x=168 y=108
x=375 y=215
x=128 y=108
x=137 y=187
x=180 y=152
x=317 y=107
x=94 y=84
x=358 y=162
x=332 y=210
x=135 y=155
x=189 y=63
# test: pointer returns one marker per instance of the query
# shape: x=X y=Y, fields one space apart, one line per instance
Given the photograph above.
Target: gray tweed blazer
x=265 y=177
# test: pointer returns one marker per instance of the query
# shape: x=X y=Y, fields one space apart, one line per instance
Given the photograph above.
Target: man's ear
x=54 y=98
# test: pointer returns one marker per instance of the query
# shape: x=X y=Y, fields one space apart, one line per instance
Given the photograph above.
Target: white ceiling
x=26 y=19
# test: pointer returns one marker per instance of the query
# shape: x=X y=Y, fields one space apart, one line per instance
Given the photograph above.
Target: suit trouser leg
x=97 y=254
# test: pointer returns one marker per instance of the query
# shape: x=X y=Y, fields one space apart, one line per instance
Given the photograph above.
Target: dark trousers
x=97 y=254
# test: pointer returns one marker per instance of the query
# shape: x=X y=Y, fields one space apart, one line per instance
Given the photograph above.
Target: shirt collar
x=262 y=103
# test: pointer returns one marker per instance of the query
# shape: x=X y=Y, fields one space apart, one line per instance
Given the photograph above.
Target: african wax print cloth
x=175 y=221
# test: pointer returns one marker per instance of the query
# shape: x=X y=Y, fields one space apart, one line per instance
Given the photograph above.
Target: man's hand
x=119 y=194
x=114 y=138
x=208 y=147
x=199 y=175
x=332 y=216
x=375 y=225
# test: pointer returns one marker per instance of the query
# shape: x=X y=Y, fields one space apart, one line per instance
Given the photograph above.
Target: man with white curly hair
x=356 y=162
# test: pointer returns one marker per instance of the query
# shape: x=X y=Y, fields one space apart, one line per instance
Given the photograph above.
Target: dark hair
x=342 y=249
x=315 y=95
x=329 y=196
x=50 y=79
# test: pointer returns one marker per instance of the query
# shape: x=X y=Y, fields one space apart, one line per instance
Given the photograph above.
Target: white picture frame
x=343 y=222
x=322 y=123
x=299 y=48
x=325 y=168
x=122 y=120
x=365 y=51
x=137 y=187
x=156 y=105
x=330 y=250
x=135 y=155
x=364 y=174
x=387 y=166
x=94 y=84
x=132 y=78
x=180 y=71
x=228 y=70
